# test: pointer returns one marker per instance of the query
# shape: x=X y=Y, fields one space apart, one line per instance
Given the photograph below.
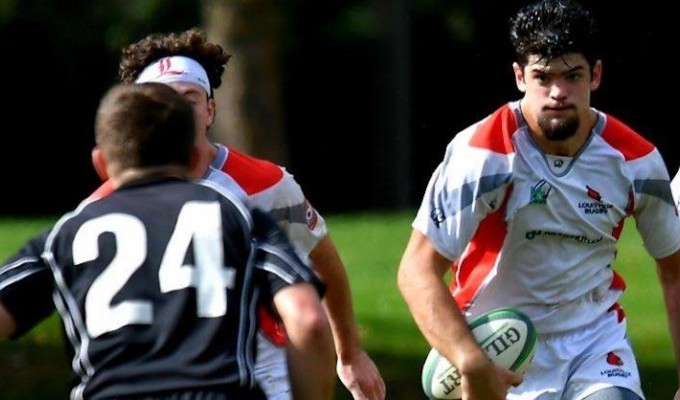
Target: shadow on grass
x=41 y=372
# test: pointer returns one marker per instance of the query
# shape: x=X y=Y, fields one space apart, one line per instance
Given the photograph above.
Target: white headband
x=176 y=69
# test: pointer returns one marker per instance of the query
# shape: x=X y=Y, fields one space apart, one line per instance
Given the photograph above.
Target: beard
x=558 y=129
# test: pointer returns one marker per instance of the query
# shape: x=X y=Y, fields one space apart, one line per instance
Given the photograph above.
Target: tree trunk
x=249 y=102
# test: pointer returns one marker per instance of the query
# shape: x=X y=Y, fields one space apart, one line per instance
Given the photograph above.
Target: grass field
x=35 y=367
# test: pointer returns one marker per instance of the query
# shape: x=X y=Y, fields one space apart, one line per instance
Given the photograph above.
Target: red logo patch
x=593 y=194
x=613 y=359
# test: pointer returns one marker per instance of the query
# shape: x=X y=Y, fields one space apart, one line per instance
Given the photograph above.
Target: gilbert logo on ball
x=506 y=335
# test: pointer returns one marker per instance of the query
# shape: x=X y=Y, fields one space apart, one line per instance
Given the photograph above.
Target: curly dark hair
x=553 y=28
x=191 y=43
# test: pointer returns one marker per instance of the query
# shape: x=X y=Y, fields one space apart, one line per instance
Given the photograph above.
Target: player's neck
x=568 y=147
x=207 y=151
x=133 y=175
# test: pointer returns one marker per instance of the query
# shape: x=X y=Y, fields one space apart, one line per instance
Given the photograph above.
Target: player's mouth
x=557 y=110
x=558 y=107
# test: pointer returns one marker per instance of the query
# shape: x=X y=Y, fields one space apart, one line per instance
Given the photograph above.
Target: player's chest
x=582 y=192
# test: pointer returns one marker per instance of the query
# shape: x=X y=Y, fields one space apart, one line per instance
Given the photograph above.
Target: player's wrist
x=474 y=362
x=347 y=353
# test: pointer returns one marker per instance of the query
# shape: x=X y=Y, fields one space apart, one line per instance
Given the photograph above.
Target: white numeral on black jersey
x=199 y=222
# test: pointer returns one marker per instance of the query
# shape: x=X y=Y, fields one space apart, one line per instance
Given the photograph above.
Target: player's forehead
x=559 y=65
x=188 y=89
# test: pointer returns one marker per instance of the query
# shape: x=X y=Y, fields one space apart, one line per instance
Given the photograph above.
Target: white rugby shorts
x=578 y=363
x=271 y=369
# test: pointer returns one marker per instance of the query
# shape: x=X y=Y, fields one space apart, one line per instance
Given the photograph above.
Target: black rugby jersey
x=158 y=285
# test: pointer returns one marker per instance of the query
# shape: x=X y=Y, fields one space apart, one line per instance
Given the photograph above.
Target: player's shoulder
x=495 y=131
x=233 y=198
x=252 y=174
x=487 y=145
x=623 y=138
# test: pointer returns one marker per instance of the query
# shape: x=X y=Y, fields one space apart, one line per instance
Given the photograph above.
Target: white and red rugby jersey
x=271 y=188
x=538 y=232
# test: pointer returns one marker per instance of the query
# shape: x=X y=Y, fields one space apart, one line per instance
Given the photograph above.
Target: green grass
x=371 y=244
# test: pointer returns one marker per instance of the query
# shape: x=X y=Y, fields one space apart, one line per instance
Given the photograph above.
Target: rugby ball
x=509 y=339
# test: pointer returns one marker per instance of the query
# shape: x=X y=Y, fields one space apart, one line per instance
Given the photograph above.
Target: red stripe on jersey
x=617 y=282
x=629 y=211
x=272 y=328
x=481 y=255
x=618 y=229
x=252 y=174
x=494 y=133
x=620 y=314
x=621 y=137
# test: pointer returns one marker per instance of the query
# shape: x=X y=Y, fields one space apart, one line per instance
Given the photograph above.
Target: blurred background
x=356 y=98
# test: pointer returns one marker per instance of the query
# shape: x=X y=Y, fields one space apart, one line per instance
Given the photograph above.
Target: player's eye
x=542 y=78
x=573 y=77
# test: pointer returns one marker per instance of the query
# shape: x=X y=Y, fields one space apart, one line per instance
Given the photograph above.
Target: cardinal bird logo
x=593 y=194
x=613 y=359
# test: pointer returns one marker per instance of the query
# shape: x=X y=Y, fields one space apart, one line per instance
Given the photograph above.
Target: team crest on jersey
x=311 y=217
x=597 y=207
x=593 y=194
x=540 y=192
x=614 y=360
x=437 y=216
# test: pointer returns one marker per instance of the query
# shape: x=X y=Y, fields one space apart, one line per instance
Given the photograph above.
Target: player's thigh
x=613 y=393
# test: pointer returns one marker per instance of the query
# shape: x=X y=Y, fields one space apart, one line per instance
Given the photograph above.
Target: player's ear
x=596 y=79
x=519 y=77
x=99 y=163
x=211 y=112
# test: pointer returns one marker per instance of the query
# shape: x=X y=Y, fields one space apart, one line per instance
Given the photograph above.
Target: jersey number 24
x=198 y=222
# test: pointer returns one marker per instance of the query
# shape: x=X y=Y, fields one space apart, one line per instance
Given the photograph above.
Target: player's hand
x=489 y=382
x=361 y=377
x=677 y=395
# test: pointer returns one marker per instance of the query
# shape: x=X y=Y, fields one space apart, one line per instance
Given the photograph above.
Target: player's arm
x=355 y=368
x=668 y=270
x=307 y=231
x=25 y=289
x=310 y=344
x=421 y=282
x=7 y=324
